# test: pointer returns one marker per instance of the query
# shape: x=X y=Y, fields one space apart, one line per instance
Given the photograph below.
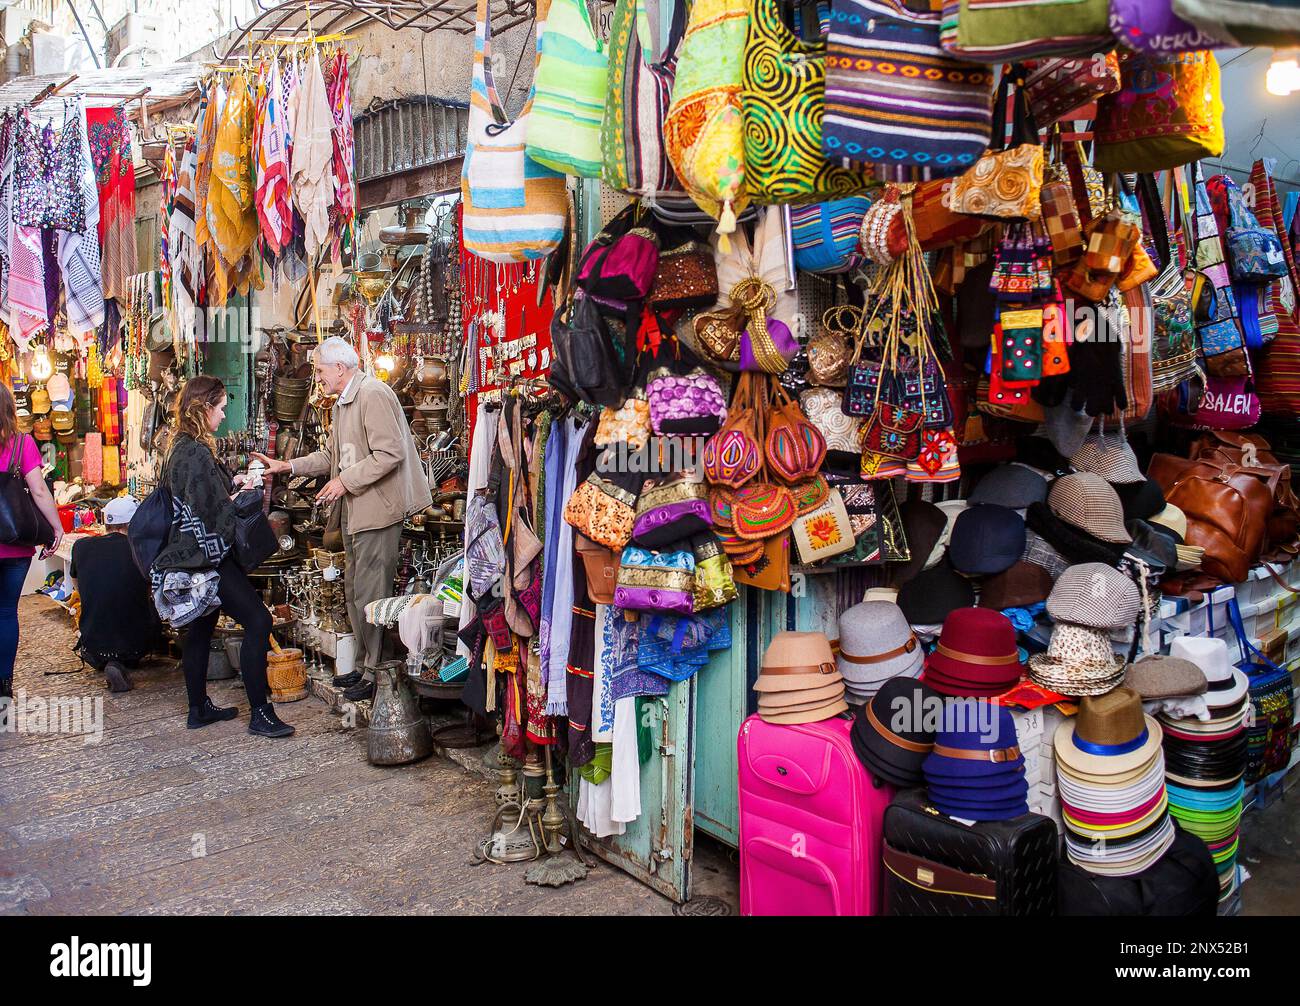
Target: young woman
x=15 y=559
x=194 y=475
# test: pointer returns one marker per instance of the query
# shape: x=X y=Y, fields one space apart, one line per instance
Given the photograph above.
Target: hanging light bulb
x=1283 y=73
x=385 y=364
x=42 y=367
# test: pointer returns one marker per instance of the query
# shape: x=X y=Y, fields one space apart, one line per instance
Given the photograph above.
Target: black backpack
x=151 y=528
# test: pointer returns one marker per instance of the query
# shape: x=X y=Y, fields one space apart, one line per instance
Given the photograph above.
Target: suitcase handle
x=936 y=878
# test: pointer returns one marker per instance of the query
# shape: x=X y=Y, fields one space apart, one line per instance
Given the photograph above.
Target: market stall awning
x=293 y=18
x=164 y=85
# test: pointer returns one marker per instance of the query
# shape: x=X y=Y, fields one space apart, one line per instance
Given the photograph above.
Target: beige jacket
x=372 y=452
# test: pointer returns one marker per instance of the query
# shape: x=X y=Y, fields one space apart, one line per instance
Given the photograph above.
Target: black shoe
x=346 y=680
x=265 y=722
x=118 y=681
x=201 y=716
x=361 y=690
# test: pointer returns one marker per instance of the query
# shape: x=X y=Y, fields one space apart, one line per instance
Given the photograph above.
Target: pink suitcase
x=811 y=822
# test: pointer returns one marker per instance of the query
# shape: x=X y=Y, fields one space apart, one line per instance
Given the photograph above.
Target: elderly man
x=374 y=469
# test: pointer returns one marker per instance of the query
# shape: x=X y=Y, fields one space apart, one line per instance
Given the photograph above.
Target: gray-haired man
x=374 y=469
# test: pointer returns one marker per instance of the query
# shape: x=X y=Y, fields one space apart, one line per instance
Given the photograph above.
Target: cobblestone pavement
x=158 y=819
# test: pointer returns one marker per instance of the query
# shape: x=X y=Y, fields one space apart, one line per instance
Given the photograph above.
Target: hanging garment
x=625 y=772
x=345 y=202
x=205 y=138
x=482 y=448
x=83 y=283
x=110 y=147
x=602 y=700
x=313 y=153
x=563 y=570
x=274 y=200
x=232 y=215
x=29 y=314
x=595 y=807
x=48 y=192
x=7 y=126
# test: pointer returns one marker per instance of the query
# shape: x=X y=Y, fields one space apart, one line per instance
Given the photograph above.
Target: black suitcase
x=937 y=866
x=1182 y=882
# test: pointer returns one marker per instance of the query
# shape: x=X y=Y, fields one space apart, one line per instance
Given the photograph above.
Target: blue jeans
x=12 y=574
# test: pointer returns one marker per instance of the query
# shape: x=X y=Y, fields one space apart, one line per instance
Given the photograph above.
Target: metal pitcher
x=219 y=668
x=398 y=731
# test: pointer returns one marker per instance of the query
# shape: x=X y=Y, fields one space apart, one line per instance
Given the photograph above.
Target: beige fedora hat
x=811 y=716
x=786 y=700
x=797 y=661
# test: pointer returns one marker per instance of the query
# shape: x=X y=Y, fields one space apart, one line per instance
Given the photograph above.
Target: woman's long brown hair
x=196 y=398
x=8 y=417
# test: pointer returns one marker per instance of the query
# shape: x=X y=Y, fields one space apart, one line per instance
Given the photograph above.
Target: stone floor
x=157 y=819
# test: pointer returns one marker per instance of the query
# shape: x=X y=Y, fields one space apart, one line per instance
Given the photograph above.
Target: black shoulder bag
x=21 y=523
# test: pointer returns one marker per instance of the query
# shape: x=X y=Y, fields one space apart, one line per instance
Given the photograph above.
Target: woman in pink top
x=15 y=559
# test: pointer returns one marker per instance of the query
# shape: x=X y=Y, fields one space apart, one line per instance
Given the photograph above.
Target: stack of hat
x=896 y=730
x=987 y=539
x=876 y=644
x=1172 y=522
x=975 y=770
x=1110 y=773
x=1169 y=684
x=929 y=596
x=976 y=655
x=926 y=529
x=1110 y=457
x=1087 y=603
x=1206 y=759
x=798 y=682
x=1014 y=486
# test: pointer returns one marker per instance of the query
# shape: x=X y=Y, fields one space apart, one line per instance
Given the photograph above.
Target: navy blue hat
x=1007 y=791
x=982 y=754
x=1013 y=486
x=986 y=539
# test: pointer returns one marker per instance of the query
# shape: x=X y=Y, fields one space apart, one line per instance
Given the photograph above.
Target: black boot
x=201 y=716
x=118 y=680
x=265 y=722
x=346 y=680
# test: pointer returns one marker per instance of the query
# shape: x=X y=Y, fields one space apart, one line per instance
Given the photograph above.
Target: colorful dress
x=110 y=148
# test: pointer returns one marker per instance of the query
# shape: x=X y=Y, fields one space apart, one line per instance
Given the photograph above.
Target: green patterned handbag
x=782 y=98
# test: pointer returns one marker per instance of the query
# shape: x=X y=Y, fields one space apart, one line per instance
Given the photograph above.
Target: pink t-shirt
x=29 y=458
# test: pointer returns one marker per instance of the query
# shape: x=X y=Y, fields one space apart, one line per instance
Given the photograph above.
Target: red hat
x=976 y=655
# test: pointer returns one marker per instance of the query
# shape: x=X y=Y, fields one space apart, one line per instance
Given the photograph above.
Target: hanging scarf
x=345 y=208
x=83 y=284
x=6 y=200
x=232 y=215
x=274 y=201
x=27 y=305
x=313 y=146
x=110 y=148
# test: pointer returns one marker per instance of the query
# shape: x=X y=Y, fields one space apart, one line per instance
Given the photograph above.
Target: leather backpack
x=1252 y=451
x=1227 y=507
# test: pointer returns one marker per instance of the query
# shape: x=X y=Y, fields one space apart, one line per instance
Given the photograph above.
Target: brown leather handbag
x=1252 y=451
x=1227 y=508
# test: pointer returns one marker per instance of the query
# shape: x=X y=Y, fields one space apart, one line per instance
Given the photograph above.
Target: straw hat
x=1110 y=735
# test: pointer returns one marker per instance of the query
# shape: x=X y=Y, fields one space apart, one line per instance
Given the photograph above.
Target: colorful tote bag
x=894 y=97
x=1218 y=318
x=994 y=31
x=825 y=235
x=1278 y=378
x=568 y=93
x=1152 y=26
x=641 y=77
x=1057 y=87
x=704 y=128
x=514 y=208
x=782 y=98
x=1168 y=112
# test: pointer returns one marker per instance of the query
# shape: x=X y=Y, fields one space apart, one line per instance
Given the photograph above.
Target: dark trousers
x=242 y=603
x=12 y=574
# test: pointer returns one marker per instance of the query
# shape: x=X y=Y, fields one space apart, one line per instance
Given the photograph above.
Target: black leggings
x=242 y=603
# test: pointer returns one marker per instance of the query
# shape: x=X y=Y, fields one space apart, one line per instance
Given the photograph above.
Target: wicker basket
x=286 y=675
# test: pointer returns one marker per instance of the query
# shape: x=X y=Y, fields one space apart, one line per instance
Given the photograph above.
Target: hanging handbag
x=862 y=503
x=828 y=349
x=704 y=129
x=602 y=510
x=763 y=271
x=600 y=564
x=686 y=278
x=782 y=98
x=1278 y=378
x=718 y=333
x=934 y=221
x=823 y=409
x=689 y=404
x=628 y=424
x=883 y=235
x=893 y=431
x=990 y=31
x=587 y=364
x=870 y=118
x=1152 y=26
x=641 y=73
x=569 y=92
x=1168 y=112
x=825 y=532
x=514 y=208
x=1007 y=182
x=733 y=455
x=825 y=235
x=770 y=570
x=656 y=581
x=1254 y=252
x=1057 y=87
x=1271 y=731
x=21 y=523
x=1173 y=341
x=1229 y=403
x=670 y=509
x=715 y=585
x=793 y=446
x=1261 y=22
x=1218 y=325
x=767 y=344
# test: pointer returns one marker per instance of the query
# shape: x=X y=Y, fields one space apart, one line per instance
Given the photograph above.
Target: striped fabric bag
x=894 y=97
x=825 y=235
x=569 y=96
x=1277 y=379
x=996 y=31
x=514 y=209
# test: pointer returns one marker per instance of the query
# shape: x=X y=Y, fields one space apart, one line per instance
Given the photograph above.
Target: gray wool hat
x=1065 y=427
x=876 y=644
x=1012 y=486
x=1158 y=677
x=1095 y=595
x=1110 y=457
